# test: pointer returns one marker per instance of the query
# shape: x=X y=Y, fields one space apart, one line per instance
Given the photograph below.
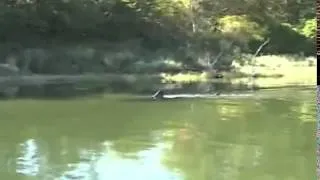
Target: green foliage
x=185 y=29
x=286 y=40
x=241 y=28
x=310 y=28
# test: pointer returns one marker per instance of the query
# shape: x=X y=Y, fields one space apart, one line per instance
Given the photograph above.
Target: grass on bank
x=273 y=70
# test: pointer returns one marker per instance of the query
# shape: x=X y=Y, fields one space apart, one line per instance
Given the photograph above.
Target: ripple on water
x=28 y=162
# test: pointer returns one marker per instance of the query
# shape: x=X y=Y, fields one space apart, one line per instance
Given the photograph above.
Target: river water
x=270 y=136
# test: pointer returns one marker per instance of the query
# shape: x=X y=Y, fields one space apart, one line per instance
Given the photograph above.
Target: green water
x=117 y=137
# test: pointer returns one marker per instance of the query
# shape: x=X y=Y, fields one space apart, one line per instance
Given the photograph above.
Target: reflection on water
x=147 y=165
x=107 y=164
x=28 y=162
x=99 y=139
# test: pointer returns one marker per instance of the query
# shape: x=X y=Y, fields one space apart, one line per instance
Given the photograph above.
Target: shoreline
x=40 y=79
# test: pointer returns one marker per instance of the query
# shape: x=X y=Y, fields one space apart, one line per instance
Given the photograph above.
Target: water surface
x=270 y=136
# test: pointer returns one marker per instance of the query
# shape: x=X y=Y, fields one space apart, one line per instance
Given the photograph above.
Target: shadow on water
x=70 y=91
x=141 y=89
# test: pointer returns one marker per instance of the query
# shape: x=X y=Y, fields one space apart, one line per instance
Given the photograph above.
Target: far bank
x=267 y=71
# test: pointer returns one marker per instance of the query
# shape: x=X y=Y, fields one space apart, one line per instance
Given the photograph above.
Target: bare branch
x=261 y=46
x=257 y=52
x=217 y=58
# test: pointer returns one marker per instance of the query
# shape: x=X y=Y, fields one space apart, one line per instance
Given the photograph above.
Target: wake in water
x=160 y=95
x=171 y=96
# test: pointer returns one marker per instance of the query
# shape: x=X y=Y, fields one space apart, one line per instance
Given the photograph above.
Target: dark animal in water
x=255 y=75
x=158 y=95
x=218 y=76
